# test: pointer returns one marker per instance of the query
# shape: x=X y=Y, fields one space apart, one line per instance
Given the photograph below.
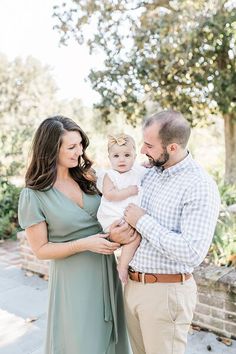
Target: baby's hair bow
x=120 y=139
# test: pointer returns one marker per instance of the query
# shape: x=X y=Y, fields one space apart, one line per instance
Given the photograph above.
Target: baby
x=121 y=186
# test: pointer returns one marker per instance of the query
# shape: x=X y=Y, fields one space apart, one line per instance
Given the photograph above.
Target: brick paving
x=23 y=301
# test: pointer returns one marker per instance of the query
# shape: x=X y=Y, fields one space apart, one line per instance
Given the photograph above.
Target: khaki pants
x=158 y=315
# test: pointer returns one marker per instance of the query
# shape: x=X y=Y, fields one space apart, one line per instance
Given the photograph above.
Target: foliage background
x=159 y=54
x=177 y=54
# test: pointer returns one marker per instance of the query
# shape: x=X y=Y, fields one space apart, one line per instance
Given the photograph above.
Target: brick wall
x=29 y=261
x=216 y=306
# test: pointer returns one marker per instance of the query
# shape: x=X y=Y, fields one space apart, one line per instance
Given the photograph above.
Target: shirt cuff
x=145 y=225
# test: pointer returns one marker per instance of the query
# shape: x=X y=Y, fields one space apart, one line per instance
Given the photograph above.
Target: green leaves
x=173 y=54
x=9 y=195
x=27 y=95
x=180 y=54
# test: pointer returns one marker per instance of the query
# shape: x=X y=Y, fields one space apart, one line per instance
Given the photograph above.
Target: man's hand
x=122 y=232
x=133 y=213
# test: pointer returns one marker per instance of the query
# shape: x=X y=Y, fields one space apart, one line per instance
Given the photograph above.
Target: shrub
x=223 y=248
x=9 y=195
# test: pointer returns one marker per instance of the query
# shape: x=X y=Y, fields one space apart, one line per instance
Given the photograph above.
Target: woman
x=58 y=209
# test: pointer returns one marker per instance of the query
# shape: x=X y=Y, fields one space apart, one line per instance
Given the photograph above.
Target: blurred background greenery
x=157 y=55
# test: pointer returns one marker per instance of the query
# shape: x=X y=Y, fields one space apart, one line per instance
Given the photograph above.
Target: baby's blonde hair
x=120 y=139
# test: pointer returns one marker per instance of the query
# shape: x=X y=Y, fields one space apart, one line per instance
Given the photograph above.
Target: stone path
x=23 y=301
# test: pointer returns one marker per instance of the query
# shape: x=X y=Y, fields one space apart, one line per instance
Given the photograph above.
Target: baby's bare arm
x=112 y=193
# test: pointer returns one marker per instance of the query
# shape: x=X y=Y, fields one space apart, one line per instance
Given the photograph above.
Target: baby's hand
x=133 y=190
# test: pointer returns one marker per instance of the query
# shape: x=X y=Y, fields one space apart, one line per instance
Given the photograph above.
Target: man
x=176 y=220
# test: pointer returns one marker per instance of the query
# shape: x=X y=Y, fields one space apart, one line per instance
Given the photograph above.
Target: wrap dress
x=85 y=310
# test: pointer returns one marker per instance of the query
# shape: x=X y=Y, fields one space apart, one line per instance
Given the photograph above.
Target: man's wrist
x=140 y=222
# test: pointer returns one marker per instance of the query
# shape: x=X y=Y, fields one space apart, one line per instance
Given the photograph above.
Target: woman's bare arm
x=37 y=237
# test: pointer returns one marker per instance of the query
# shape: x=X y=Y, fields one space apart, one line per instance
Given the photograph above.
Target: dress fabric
x=85 y=312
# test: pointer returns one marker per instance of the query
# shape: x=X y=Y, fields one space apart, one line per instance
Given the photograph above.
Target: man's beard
x=164 y=157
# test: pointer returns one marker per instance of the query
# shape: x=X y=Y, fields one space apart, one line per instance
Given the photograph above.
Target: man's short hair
x=173 y=127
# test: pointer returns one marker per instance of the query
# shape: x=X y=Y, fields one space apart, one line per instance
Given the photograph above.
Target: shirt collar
x=186 y=163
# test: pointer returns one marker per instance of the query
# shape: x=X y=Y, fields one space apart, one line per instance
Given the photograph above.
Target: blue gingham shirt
x=182 y=206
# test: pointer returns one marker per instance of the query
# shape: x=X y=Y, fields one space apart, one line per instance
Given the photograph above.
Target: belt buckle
x=143 y=278
x=131 y=270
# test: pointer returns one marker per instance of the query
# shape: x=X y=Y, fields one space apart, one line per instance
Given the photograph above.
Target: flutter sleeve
x=29 y=210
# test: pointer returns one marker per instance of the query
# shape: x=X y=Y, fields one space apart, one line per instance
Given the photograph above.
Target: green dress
x=85 y=312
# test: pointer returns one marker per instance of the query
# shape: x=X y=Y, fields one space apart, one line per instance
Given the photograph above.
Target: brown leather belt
x=157 y=278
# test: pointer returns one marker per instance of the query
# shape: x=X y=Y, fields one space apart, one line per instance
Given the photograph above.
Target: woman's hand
x=99 y=244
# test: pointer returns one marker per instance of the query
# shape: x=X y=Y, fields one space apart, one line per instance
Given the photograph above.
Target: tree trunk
x=230 y=148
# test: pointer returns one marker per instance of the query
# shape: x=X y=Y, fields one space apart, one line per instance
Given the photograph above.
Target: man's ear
x=172 y=148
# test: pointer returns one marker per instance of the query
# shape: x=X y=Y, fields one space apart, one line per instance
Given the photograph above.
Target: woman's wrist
x=78 y=246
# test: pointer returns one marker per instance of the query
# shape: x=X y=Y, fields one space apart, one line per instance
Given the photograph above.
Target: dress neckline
x=70 y=200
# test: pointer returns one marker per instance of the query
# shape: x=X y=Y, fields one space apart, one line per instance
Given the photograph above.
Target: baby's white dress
x=109 y=211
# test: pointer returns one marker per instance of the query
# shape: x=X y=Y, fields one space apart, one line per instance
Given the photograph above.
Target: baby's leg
x=127 y=254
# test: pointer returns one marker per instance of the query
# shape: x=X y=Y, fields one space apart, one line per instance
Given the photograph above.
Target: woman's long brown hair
x=42 y=171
